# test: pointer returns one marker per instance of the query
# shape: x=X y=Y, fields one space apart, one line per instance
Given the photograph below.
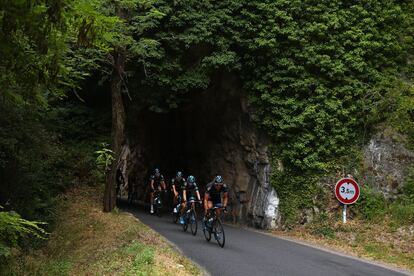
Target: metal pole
x=344 y=214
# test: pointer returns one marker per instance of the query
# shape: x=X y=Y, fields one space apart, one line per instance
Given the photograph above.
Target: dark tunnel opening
x=186 y=139
x=211 y=134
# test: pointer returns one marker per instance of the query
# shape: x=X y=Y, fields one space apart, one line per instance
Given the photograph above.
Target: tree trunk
x=118 y=125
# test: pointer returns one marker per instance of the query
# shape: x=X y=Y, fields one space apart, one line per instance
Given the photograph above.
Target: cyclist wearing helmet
x=212 y=197
x=190 y=191
x=157 y=183
x=178 y=185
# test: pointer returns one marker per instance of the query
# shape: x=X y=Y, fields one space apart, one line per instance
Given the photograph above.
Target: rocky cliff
x=386 y=162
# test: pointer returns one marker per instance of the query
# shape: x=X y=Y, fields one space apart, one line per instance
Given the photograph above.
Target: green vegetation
x=13 y=228
x=373 y=207
x=334 y=77
x=378 y=228
x=322 y=227
x=87 y=241
x=320 y=75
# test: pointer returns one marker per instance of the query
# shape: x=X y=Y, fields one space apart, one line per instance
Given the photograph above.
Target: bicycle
x=213 y=225
x=157 y=203
x=176 y=215
x=190 y=217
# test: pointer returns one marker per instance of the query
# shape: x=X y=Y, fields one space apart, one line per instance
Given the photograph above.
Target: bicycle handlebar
x=215 y=208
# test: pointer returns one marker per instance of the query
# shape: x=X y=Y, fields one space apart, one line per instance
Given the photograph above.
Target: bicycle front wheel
x=207 y=233
x=219 y=233
x=158 y=210
x=185 y=225
x=193 y=222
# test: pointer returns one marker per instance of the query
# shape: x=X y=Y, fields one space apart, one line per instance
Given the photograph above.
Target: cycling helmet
x=157 y=171
x=218 y=180
x=179 y=174
x=191 y=179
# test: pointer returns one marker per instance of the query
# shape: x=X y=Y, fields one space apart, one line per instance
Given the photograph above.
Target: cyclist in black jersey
x=190 y=191
x=178 y=184
x=212 y=196
x=157 y=183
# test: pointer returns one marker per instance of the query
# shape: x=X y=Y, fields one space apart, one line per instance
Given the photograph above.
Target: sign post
x=347 y=192
x=344 y=214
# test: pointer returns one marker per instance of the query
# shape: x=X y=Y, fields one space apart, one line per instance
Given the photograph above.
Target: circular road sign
x=347 y=191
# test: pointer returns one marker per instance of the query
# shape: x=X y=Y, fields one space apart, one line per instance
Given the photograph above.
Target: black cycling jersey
x=214 y=195
x=191 y=189
x=157 y=180
x=179 y=184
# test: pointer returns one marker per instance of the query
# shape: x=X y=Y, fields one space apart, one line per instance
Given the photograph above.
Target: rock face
x=246 y=170
x=386 y=161
x=213 y=134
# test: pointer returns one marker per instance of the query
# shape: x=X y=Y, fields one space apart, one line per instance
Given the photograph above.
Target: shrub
x=297 y=193
x=13 y=228
x=321 y=227
x=408 y=189
x=371 y=205
x=402 y=213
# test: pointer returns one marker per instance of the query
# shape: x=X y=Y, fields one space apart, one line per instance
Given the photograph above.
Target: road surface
x=251 y=253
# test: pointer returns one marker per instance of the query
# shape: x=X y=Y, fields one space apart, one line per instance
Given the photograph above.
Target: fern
x=13 y=228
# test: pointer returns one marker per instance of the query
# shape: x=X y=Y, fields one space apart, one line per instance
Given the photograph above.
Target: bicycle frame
x=190 y=216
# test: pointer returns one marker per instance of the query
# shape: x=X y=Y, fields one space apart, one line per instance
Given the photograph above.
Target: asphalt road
x=250 y=253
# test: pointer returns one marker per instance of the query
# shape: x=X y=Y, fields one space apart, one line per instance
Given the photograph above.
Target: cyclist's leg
x=175 y=203
x=218 y=204
x=206 y=212
x=159 y=193
x=182 y=209
x=175 y=200
x=209 y=206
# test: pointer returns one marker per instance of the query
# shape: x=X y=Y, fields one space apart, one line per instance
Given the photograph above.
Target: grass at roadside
x=87 y=241
x=382 y=241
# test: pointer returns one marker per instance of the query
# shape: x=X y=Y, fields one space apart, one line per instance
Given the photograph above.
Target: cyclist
x=178 y=185
x=212 y=197
x=190 y=191
x=157 y=183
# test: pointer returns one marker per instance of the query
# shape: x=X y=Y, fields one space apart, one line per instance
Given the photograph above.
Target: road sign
x=347 y=191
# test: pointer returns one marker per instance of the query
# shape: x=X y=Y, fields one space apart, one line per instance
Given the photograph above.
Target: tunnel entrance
x=186 y=139
x=211 y=134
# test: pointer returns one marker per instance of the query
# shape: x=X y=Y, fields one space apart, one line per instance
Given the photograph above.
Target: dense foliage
x=44 y=142
x=319 y=74
x=325 y=67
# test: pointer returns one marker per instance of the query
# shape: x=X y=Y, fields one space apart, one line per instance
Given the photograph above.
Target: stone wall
x=386 y=161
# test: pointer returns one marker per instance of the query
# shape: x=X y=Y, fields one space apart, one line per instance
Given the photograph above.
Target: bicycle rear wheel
x=175 y=217
x=193 y=222
x=218 y=231
x=158 y=210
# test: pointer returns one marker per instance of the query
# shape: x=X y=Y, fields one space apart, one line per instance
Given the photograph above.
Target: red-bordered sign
x=347 y=191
